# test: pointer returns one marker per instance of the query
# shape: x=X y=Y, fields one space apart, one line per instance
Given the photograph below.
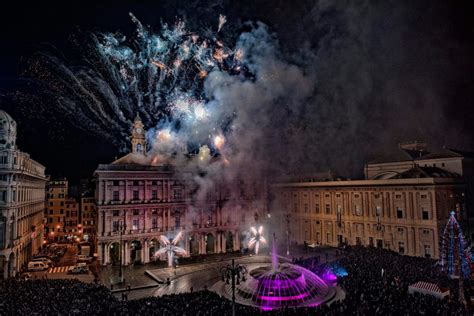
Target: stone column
x=186 y=244
x=224 y=243
x=146 y=217
x=163 y=212
x=101 y=254
x=145 y=195
x=169 y=219
x=203 y=245
x=145 y=252
x=125 y=191
x=126 y=252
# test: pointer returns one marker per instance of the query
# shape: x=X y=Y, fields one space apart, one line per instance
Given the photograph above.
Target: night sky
x=383 y=73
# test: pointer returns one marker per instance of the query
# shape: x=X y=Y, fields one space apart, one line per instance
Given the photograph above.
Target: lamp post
x=235 y=274
x=122 y=227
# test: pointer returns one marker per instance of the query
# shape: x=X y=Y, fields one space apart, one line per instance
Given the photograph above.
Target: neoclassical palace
x=138 y=201
x=401 y=205
x=22 y=197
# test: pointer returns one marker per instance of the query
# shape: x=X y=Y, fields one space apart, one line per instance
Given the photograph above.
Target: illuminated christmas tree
x=455 y=257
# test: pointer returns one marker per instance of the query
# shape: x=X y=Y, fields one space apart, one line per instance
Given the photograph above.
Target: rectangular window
x=425 y=214
x=50 y=203
x=135 y=183
x=295 y=207
x=4 y=196
x=378 y=211
x=135 y=224
x=135 y=195
x=116 y=183
x=358 y=210
x=177 y=219
x=401 y=247
x=67 y=213
x=423 y=196
x=154 y=223
x=154 y=182
x=339 y=215
x=177 y=194
x=427 y=251
x=115 y=226
x=398 y=196
x=316 y=208
x=399 y=213
x=116 y=213
x=154 y=195
x=136 y=212
x=306 y=208
x=328 y=209
x=50 y=212
x=116 y=195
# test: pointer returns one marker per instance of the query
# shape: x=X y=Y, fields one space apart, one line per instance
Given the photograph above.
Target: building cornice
x=364 y=183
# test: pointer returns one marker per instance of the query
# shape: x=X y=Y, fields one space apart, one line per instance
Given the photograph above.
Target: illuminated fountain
x=279 y=285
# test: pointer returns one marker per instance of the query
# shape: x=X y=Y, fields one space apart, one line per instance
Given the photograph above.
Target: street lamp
x=122 y=227
x=234 y=273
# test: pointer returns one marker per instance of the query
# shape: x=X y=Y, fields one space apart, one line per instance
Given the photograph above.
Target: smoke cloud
x=321 y=85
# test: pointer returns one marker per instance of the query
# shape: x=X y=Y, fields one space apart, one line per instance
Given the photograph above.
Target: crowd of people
x=376 y=283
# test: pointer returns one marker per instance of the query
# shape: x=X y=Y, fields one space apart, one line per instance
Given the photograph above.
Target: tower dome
x=7 y=131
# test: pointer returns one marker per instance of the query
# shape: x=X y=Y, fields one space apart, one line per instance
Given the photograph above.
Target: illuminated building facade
x=88 y=218
x=56 y=195
x=403 y=209
x=142 y=202
x=22 y=195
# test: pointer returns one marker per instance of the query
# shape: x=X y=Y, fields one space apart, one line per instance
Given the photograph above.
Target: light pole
x=235 y=274
x=122 y=227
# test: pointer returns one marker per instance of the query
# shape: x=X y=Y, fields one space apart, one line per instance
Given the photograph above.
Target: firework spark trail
x=192 y=92
x=222 y=20
x=170 y=248
x=257 y=239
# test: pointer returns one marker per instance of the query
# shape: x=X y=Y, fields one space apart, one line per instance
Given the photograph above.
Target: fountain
x=278 y=285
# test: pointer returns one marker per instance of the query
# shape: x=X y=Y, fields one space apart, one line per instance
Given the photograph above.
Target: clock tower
x=138 y=136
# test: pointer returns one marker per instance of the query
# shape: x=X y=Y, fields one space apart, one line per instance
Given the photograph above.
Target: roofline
x=385 y=182
x=416 y=161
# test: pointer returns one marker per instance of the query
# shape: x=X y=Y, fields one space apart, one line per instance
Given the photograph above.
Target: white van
x=42 y=259
x=37 y=266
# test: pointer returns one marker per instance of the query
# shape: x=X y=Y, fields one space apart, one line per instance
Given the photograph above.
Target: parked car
x=44 y=260
x=83 y=258
x=37 y=266
x=78 y=269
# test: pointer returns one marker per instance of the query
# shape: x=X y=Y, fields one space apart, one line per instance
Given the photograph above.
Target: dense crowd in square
x=376 y=284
